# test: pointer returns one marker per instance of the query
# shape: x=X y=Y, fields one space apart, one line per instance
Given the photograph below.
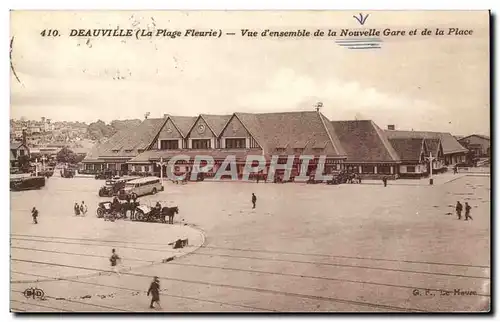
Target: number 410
x=49 y=32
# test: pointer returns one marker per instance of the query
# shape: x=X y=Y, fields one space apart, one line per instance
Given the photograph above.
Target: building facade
x=479 y=145
x=360 y=147
x=453 y=151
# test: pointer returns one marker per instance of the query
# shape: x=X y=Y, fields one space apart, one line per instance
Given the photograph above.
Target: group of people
x=80 y=209
x=459 y=208
x=154 y=287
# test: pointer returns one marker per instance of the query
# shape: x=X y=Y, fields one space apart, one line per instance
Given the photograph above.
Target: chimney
x=24 y=136
x=391 y=127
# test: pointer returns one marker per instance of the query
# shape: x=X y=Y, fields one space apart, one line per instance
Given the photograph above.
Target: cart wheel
x=139 y=215
x=100 y=213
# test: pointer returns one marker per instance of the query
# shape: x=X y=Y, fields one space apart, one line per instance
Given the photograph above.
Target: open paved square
x=304 y=248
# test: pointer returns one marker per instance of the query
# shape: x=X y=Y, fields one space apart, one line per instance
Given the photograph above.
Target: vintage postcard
x=250 y=161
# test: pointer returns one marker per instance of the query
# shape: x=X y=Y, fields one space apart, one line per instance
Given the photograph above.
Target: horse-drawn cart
x=153 y=214
x=108 y=211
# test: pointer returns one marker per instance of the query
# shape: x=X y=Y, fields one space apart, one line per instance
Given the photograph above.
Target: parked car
x=141 y=187
x=113 y=186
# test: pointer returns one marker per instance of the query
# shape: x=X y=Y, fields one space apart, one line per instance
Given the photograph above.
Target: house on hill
x=17 y=150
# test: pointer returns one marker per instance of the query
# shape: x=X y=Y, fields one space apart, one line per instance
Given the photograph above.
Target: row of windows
x=299 y=150
x=202 y=144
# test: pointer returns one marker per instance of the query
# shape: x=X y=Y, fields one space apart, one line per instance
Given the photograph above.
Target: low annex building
x=358 y=146
x=452 y=151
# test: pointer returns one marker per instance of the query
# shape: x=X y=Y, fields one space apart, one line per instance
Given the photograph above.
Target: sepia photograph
x=183 y=161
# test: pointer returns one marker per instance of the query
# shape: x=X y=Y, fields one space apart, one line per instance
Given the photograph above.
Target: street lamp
x=161 y=164
x=430 y=158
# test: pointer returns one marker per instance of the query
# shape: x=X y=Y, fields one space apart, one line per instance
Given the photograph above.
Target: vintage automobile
x=104 y=175
x=113 y=186
x=67 y=173
x=105 y=210
x=26 y=182
x=48 y=172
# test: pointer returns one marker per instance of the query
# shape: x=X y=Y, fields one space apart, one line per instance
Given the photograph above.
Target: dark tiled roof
x=364 y=141
x=251 y=123
x=478 y=135
x=153 y=155
x=333 y=135
x=408 y=149
x=433 y=145
x=448 y=141
x=289 y=129
x=216 y=122
x=183 y=123
x=126 y=143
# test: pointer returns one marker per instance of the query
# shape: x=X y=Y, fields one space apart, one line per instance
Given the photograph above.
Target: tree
x=67 y=156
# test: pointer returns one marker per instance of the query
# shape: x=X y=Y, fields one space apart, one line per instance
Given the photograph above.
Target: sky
x=436 y=83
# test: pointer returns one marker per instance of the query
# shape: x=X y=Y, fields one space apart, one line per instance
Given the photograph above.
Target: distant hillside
x=100 y=130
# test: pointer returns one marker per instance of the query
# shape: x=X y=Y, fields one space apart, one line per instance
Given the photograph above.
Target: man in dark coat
x=154 y=290
x=254 y=200
x=384 y=179
x=467 y=211
x=34 y=213
x=458 y=209
x=114 y=261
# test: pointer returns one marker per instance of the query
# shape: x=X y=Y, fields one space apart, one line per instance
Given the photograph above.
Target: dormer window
x=281 y=150
x=235 y=143
x=169 y=144
x=128 y=151
x=298 y=150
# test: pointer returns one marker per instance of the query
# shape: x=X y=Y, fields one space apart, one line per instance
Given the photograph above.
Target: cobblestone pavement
x=304 y=248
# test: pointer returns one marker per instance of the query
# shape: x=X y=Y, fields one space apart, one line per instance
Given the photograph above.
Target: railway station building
x=361 y=147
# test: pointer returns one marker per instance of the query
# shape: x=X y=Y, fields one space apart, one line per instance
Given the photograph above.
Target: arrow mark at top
x=361 y=19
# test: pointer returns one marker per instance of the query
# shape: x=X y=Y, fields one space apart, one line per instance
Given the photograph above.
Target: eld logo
x=35 y=293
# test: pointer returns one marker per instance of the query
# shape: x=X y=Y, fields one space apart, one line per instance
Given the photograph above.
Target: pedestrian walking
x=83 y=208
x=455 y=169
x=384 y=180
x=154 y=290
x=467 y=212
x=34 y=214
x=458 y=209
x=254 y=200
x=76 y=208
x=114 y=261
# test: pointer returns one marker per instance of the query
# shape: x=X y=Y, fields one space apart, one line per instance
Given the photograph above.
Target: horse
x=170 y=213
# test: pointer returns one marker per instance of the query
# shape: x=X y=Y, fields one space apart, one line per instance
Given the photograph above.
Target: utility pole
x=161 y=164
x=430 y=158
x=36 y=167
x=44 y=158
